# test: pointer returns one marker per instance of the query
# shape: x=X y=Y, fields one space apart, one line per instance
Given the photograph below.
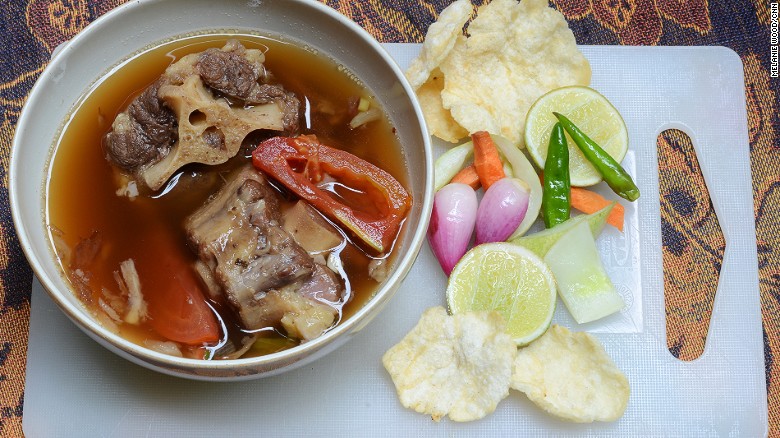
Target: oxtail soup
x=226 y=196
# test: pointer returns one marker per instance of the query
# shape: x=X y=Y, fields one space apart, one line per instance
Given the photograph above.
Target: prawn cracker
x=439 y=41
x=439 y=120
x=426 y=78
x=457 y=365
x=515 y=53
x=571 y=376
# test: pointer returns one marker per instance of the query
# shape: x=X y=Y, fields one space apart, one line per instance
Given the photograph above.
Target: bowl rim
x=176 y=365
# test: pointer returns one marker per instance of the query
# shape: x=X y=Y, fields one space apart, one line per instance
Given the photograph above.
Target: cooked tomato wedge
x=176 y=302
x=301 y=162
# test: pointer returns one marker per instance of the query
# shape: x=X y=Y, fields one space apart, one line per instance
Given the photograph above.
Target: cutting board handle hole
x=693 y=245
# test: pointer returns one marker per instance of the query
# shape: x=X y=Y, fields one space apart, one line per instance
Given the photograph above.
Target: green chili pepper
x=614 y=175
x=556 y=193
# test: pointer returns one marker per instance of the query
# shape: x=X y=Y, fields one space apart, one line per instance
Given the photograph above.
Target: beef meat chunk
x=237 y=76
x=144 y=133
x=228 y=72
x=310 y=229
x=322 y=285
x=266 y=93
x=262 y=271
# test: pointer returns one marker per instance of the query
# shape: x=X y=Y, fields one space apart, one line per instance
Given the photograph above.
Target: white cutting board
x=76 y=388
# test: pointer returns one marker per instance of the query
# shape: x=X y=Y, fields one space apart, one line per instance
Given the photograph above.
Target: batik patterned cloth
x=693 y=246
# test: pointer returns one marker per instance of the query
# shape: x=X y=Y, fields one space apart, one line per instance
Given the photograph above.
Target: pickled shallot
x=452 y=223
x=502 y=209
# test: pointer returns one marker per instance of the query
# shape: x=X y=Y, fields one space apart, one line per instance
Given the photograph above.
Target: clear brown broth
x=82 y=186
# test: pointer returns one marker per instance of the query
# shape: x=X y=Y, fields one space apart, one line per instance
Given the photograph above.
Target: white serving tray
x=76 y=388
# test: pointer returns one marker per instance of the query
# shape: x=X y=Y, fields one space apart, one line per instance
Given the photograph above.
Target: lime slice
x=592 y=113
x=509 y=279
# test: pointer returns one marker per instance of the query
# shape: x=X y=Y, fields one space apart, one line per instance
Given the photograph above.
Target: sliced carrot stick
x=486 y=159
x=589 y=202
x=467 y=175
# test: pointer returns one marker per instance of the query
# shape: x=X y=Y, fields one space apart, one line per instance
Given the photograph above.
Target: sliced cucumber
x=542 y=241
x=583 y=284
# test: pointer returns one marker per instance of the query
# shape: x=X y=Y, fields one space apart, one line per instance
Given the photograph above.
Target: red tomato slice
x=298 y=163
x=175 y=296
x=179 y=310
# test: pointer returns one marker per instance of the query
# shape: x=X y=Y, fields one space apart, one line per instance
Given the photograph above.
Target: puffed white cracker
x=516 y=52
x=457 y=365
x=426 y=78
x=439 y=40
x=439 y=120
x=571 y=376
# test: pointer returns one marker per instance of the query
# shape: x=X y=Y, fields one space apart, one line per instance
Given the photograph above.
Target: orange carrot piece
x=590 y=202
x=467 y=175
x=486 y=160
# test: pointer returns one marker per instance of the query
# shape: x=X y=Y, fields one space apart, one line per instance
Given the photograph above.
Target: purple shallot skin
x=502 y=209
x=452 y=223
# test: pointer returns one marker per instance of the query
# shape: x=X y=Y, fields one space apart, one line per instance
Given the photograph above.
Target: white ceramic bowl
x=135 y=26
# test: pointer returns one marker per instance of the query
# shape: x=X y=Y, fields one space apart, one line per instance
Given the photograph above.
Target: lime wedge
x=509 y=279
x=592 y=113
